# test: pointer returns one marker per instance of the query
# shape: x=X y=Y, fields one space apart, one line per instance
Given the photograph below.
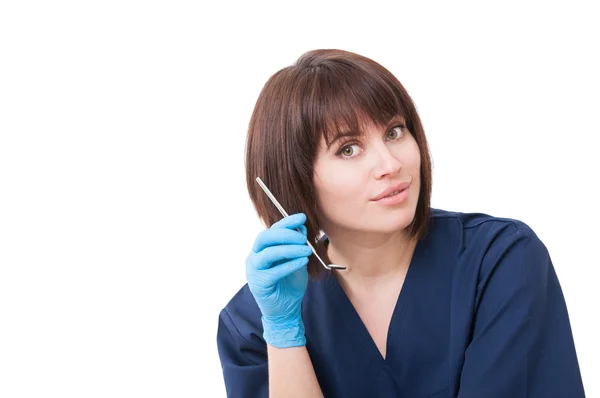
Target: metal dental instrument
x=284 y=213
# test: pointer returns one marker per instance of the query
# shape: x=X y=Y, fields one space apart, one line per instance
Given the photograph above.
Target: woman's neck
x=371 y=259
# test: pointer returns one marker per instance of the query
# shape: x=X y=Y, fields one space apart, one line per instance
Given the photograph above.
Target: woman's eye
x=348 y=150
x=395 y=132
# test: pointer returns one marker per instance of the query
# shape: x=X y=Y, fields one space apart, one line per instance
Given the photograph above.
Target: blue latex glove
x=277 y=277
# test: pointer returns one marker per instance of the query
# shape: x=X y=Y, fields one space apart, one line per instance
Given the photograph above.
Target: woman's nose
x=386 y=162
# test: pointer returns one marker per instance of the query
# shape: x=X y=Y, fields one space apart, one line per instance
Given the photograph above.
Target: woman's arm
x=522 y=344
x=291 y=373
x=251 y=371
x=243 y=356
x=277 y=279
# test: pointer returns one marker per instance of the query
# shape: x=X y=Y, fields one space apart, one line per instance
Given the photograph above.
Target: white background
x=124 y=216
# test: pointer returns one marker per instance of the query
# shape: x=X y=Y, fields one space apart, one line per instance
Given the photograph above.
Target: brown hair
x=310 y=100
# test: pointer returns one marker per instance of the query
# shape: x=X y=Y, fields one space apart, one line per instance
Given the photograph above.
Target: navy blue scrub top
x=481 y=314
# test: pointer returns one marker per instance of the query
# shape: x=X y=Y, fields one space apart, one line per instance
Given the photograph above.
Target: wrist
x=284 y=334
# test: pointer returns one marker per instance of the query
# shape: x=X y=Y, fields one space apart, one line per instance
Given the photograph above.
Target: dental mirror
x=284 y=213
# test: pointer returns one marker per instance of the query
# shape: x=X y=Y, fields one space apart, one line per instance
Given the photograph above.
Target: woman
x=432 y=303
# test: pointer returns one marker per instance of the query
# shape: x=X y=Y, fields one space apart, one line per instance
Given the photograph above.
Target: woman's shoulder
x=478 y=225
x=475 y=219
x=482 y=242
x=242 y=316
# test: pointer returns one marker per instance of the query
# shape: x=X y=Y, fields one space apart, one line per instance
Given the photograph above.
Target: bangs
x=345 y=99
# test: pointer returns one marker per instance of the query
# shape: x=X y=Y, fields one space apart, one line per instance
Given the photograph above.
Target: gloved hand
x=277 y=277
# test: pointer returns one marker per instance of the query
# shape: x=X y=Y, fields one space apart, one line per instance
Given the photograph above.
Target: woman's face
x=354 y=171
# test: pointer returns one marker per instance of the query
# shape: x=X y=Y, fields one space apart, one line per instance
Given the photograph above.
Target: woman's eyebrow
x=341 y=135
x=396 y=120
